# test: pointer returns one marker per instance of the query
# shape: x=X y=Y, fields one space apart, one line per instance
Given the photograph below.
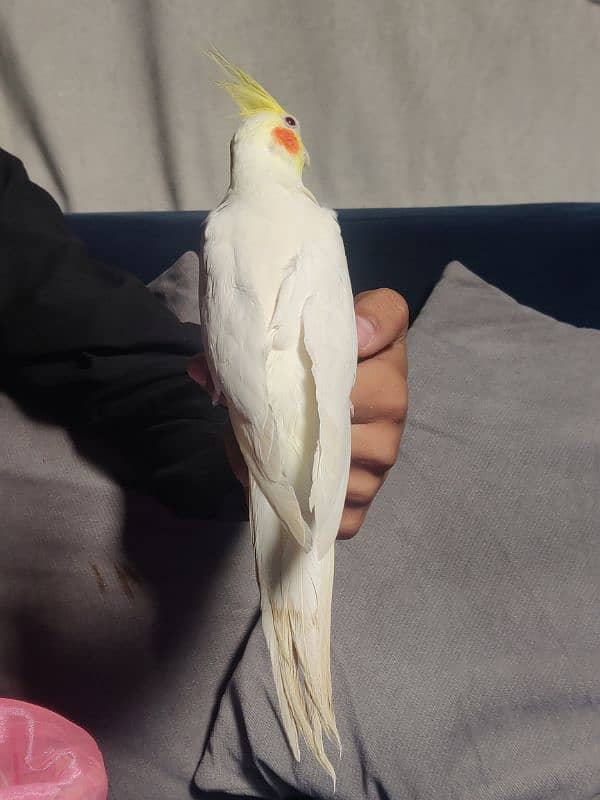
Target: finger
x=352 y=519
x=363 y=485
x=197 y=369
x=381 y=318
x=381 y=391
x=235 y=457
x=375 y=446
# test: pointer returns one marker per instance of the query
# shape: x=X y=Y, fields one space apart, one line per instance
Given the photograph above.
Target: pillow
x=177 y=287
x=466 y=618
x=114 y=612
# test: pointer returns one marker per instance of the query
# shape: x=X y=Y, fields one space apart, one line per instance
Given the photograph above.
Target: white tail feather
x=296 y=591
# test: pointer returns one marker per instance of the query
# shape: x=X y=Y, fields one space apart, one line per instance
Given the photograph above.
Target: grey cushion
x=113 y=611
x=466 y=620
x=177 y=287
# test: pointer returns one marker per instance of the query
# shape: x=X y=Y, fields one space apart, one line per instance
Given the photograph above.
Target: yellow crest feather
x=250 y=96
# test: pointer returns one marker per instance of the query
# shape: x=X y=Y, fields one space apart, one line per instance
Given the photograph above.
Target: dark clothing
x=89 y=343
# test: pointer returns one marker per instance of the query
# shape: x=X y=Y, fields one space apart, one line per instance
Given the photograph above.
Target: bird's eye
x=290 y=121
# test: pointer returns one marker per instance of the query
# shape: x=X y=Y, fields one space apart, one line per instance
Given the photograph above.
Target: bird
x=279 y=337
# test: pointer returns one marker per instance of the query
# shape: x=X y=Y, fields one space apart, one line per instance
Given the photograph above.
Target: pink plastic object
x=43 y=756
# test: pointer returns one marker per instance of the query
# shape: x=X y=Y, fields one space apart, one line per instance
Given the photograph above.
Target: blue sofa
x=547 y=256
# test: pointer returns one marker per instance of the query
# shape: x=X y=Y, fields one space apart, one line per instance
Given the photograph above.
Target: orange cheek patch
x=288 y=139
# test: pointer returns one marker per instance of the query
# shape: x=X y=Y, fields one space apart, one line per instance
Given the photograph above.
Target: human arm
x=90 y=345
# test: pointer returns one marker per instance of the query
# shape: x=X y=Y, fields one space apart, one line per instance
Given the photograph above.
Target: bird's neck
x=255 y=171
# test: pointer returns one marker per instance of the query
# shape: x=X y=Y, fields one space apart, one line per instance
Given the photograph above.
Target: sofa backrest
x=546 y=256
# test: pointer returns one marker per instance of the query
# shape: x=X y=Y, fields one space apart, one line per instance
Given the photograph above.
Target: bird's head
x=267 y=145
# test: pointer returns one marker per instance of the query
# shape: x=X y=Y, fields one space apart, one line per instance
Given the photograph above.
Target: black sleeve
x=90 y=343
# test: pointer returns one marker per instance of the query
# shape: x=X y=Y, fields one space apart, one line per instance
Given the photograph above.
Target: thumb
x=381 y=320
x=365 y=331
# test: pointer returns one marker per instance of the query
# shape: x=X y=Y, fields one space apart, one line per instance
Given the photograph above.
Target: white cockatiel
x=280 y=341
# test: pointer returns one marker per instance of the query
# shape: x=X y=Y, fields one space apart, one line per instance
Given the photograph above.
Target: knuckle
x=399 y=406
x=357 y=497
x=352 y=519
x=389 y=452
x=387 y=460
x=393 y=402
x=363 y=485
x=376 y=450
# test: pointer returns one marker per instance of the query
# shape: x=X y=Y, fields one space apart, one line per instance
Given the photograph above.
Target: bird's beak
x=306 y=158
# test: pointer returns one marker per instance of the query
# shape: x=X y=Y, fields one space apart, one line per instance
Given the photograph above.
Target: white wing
x=317 y=289
x=237 y=341
x=315 y=301
x=330 y=339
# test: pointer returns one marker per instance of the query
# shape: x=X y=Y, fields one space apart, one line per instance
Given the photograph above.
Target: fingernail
x=365 y=330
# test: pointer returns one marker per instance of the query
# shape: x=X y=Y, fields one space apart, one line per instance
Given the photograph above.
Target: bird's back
x=281 y=338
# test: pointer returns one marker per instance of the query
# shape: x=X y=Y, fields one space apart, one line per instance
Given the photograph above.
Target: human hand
x=379 y=398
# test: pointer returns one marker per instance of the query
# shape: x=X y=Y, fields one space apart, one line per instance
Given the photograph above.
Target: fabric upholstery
x=177 y=287
x=545 y=256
